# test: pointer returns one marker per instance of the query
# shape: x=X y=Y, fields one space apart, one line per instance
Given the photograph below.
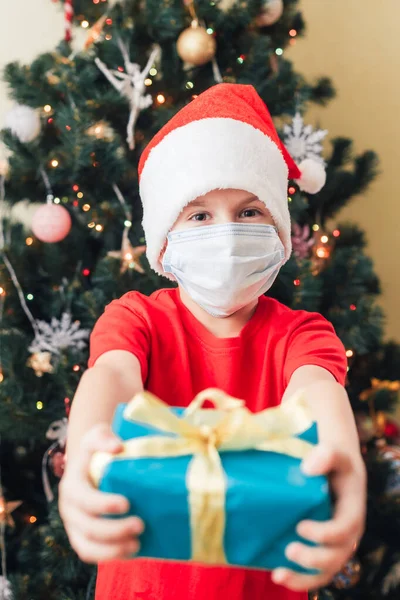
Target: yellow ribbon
x=203 y=434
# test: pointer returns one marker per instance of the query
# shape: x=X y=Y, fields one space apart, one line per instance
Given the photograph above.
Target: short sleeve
x=314 y=342
x=121 y=327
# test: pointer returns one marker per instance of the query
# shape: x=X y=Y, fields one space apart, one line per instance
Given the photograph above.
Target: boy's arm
x=115 y=377
x=337 y=455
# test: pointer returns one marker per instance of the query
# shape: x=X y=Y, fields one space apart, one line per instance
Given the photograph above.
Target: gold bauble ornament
x=195 y=46
x=4 y=167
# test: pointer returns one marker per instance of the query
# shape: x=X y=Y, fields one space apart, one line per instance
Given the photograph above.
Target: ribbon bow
x=203 y=434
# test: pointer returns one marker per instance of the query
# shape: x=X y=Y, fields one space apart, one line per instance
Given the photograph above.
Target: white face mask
x=224 y=267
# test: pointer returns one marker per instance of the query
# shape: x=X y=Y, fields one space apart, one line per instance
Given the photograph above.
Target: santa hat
x=225 y=138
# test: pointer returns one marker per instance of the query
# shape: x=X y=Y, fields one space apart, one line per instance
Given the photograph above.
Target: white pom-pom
x=313 y=176
x=24 y=122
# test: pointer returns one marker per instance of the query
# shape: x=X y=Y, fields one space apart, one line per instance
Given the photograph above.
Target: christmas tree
x=71 y=241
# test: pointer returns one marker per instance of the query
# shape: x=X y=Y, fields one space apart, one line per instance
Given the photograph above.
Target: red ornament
x=51 y=223
x=391 y=430
x=58 y=463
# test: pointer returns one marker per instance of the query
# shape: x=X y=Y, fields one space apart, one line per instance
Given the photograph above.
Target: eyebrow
x=200 y=203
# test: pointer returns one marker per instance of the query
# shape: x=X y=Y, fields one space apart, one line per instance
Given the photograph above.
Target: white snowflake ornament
x=59 y=335
x=302 y=141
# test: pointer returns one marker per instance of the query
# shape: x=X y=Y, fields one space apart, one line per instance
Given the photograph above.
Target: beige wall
x=355 y=42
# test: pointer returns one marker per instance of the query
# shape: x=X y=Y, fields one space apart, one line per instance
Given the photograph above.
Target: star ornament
x=6 y=508
x=40 y=363
x=129 y=257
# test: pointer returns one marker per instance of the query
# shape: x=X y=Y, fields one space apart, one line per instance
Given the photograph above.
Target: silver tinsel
x=5 y=589
x=58 y=335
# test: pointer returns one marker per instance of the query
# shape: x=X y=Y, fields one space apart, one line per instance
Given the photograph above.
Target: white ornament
x=302 y=141
x=131 y=85
x=20 y=212
x=57 y=431
x=24 y=122
x=58 y=335
x=5 y=589
x=313 y=176
x=271 y=13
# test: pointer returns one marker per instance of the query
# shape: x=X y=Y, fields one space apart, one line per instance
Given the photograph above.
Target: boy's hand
x=339 y=536
x=93 y=537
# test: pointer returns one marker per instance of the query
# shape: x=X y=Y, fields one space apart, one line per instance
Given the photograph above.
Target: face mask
x=224 y=267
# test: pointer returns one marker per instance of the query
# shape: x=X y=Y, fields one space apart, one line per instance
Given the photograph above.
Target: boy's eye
x=198 y=217
x=249 y=212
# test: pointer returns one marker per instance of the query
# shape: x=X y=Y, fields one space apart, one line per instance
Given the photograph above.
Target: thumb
x=99 y=438
x=324 y=459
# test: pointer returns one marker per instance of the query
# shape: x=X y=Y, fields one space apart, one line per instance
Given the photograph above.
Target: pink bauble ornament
x=51 y=223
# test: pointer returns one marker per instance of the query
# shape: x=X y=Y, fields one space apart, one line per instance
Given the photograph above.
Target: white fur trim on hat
x=205 y=155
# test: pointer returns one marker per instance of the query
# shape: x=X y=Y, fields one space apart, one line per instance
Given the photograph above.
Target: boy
x=213 y=183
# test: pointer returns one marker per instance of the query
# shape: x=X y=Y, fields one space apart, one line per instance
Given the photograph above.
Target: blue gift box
x=267 y=495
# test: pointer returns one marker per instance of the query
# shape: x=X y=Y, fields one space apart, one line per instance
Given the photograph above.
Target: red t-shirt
x=179 y=357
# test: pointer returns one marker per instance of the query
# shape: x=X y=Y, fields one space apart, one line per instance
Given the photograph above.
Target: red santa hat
x=225 y=138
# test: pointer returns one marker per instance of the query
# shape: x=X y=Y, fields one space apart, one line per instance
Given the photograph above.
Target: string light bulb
x=76 y=368
x=324 y=239
x=160 y=99
x=32 y=519
x=85 y=24
x=296 y=282
x=79 y=195
x=322 y=252
x=292 y=33
x=349 y=353
x=39 y=405
x=86 y=207
x=353 y=307
x=153 y=72
x=148 y=82
x=2 y=291
x=336 y=233
x=47 y=108
x=29 y=241
x=279 y=51
x=54 y=163
x=99 y=227
x=1 y=376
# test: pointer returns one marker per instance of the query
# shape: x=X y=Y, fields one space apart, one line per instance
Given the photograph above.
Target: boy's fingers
x=297 y=582
x=323 y=559
x=324 y=459
x=93 y=552
x=108 y=531
x=91 y=501
x=336 y=532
